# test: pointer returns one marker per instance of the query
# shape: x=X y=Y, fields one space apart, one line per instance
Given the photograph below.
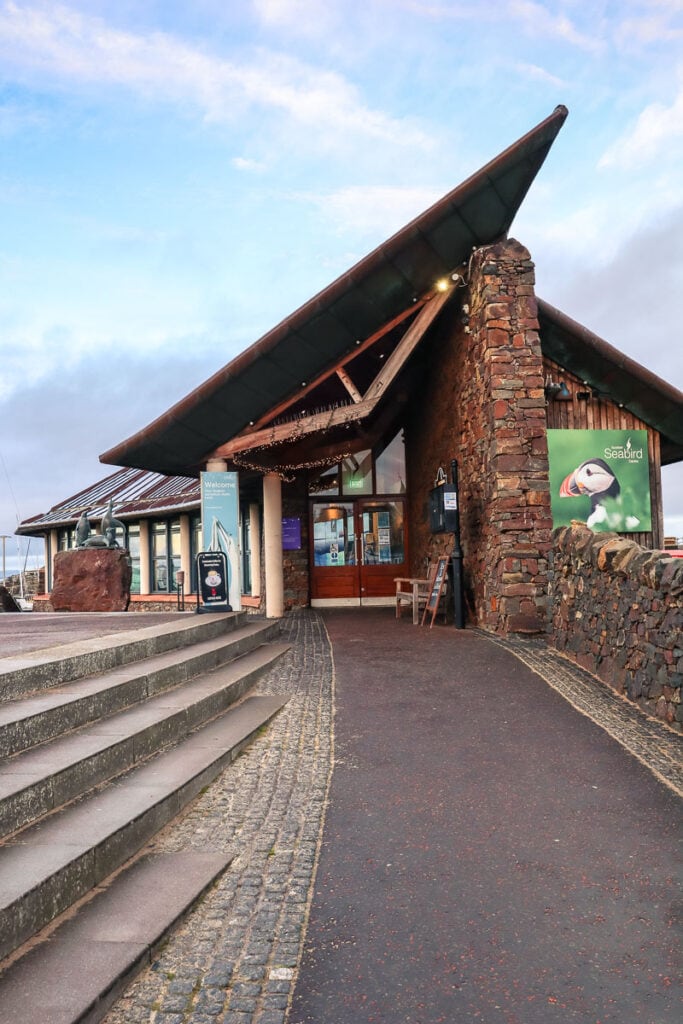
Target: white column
x=145 y=575
x=50 y=569
x=216 y=466
x=255 y=557
x=272 y=536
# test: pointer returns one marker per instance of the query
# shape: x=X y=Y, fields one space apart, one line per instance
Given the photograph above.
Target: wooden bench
x=413 y=591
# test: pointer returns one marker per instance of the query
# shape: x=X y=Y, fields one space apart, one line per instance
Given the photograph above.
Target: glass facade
x=363 y=473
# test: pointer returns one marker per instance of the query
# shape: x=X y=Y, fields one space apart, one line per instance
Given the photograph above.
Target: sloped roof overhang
x=616 y=376
x=358 y=303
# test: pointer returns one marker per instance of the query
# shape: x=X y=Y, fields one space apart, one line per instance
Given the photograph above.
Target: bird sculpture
x=83 y=529
x=110 y=525
x=593 y=479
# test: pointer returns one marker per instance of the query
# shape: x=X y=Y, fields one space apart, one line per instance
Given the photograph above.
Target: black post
x=456 y=557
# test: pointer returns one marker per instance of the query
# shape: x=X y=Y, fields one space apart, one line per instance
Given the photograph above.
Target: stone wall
x=484 y=405
x=617 y=610
x=295 y=563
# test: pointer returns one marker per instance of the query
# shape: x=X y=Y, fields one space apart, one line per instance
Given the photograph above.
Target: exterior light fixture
x=442 y=285
x=557 y=391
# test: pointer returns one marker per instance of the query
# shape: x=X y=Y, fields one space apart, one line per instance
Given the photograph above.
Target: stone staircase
x=102 y=743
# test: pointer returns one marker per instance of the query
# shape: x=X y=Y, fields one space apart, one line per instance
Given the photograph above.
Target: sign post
x=456 y=557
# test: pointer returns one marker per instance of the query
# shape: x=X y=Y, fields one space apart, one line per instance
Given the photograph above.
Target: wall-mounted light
x=557 y=391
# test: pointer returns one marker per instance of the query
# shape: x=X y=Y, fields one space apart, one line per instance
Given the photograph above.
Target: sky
x=177 y=177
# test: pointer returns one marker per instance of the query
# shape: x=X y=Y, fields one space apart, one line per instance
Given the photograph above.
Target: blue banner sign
x=220 y=527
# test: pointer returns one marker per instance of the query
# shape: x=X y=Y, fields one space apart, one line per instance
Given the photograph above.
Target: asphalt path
x=489 y=854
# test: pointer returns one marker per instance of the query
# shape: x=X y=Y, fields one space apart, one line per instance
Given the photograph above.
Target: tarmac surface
x=439 y=826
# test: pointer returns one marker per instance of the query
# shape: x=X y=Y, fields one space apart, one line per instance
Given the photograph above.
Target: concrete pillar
x=272 y=535
x=255 y=557
x=216 y=466
x=145 y=573
x=52 y=550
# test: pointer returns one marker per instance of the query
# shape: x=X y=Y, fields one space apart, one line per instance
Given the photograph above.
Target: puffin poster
x=600 y=477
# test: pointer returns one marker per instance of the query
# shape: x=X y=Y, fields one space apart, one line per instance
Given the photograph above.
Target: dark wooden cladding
x=600 y=413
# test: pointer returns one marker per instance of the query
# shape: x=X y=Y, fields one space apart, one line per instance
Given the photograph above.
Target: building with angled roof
x=434 y=348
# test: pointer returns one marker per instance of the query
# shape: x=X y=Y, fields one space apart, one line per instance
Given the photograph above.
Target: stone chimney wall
x=484 y=405
x=617 y=611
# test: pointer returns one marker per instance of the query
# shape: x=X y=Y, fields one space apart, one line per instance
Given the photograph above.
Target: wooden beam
x=282 y=433
x=348 y=384
x=385 y=329
x=406 y=346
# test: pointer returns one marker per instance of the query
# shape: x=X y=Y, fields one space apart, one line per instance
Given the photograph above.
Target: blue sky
x=176 y=177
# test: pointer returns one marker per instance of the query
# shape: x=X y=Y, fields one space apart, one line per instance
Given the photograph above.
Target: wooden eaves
x=362 y=405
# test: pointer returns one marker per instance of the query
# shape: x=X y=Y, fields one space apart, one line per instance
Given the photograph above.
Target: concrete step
x=37 y=781
x=78 y=972
x=34 y=671
x=48 y=866
x=29 y=721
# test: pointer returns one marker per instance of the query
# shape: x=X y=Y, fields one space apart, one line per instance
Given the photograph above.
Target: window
x=196 y=545
x=134 y=550
x=390 y=467
x=364 y=473
x=165 y=542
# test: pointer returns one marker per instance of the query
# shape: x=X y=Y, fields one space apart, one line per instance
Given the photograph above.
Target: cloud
x=657 y=134
x=369 y=210
x=55 y=42
x=628 y=299
x=536 y=20
x=538 y=74
x=241 y=163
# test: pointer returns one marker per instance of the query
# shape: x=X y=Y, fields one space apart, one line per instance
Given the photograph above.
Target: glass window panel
x=325 y=481
x=159 y=539
x=383 y=542
x=334 y=541
x=390 y=467
x=357 y=474
x=134 y=552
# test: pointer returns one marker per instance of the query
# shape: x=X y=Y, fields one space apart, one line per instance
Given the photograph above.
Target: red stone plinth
x=91 y=580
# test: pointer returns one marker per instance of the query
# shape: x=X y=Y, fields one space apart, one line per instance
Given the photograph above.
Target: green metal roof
x=353 y=307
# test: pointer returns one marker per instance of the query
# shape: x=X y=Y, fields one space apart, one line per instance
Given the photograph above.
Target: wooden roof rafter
x=306 y=425
x=337 y=369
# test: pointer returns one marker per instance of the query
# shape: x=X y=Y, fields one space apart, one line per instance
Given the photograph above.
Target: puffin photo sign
x=601 y=477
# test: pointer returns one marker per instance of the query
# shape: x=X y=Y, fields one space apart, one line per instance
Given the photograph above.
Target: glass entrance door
x=334 y=570
x=383 y=549
x=358 y=549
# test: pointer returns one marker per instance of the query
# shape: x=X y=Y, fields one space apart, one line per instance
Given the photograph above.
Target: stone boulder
x=91 y=580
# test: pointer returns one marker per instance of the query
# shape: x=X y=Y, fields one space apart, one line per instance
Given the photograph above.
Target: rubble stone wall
x=617 y=610
x=484 y=405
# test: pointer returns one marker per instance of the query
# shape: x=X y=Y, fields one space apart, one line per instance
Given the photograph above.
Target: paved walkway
x=488 y=853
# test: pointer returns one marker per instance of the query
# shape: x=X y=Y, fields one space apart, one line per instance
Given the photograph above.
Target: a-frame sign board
x=438 y=586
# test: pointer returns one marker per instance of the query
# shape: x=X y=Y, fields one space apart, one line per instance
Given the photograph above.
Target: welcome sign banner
x=600 y=477
x=220 y=526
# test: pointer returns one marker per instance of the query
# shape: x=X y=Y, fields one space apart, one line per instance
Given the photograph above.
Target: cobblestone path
x=234 y=959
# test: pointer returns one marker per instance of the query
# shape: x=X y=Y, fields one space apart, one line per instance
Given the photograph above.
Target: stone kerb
x=617 y=610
